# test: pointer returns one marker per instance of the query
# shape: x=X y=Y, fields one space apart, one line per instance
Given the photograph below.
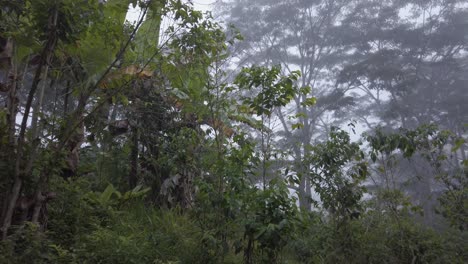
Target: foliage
x=275 y=91
x=377 y=238
x=135 y=141
x=340 y=193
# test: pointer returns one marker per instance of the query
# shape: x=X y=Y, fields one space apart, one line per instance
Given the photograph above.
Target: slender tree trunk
x=18 y=174
x=12 y=106
x=39 y=199
x=302 y=193
x=35 y=126
x=133 y=175
x=38 y=106
x=304 y=168
x=66 y=99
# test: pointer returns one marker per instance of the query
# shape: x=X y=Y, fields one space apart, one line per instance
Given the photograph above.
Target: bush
x=143 y=235
x=376 y=238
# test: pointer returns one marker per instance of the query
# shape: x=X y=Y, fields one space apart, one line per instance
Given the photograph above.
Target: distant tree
x=411 y=61
x=410 y=67
x=305 y=36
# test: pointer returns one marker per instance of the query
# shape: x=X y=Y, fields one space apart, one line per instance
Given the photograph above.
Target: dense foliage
x=137 y=140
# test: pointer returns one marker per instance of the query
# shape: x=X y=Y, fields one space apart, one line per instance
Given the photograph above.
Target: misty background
x=234 y=131
x=371 y=65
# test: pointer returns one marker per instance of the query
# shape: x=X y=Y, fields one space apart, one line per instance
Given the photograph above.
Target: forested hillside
x=265 y=131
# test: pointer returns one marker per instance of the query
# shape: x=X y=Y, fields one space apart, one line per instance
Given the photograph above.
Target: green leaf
x=310 y=101
x=297 y=126
x=305 y=90
x=105 y=196
x=457 y=144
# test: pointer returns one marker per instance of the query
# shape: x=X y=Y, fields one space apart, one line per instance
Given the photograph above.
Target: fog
x=376 y=65
x=234 y=131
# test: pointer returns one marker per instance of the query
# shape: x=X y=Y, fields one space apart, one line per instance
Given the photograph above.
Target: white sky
x=202 y=5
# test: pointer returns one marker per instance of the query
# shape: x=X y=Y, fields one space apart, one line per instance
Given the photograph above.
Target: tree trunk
x=46 y=56
x=12 y=110
x=133 y=175
x=302 y=193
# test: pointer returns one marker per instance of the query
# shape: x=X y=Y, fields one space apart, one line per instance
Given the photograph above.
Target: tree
x=97 y=55
x=307 y=36
x=409 y=68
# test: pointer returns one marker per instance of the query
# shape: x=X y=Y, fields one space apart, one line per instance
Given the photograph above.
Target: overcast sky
x=204 y=5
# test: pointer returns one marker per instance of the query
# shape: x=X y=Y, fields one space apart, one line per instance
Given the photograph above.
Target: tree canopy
x=322 y=131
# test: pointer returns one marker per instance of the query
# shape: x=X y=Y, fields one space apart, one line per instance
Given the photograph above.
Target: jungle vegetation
x=266 y=131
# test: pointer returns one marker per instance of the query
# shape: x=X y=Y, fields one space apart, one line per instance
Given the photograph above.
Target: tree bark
x=133 y=175
x=46 y=56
